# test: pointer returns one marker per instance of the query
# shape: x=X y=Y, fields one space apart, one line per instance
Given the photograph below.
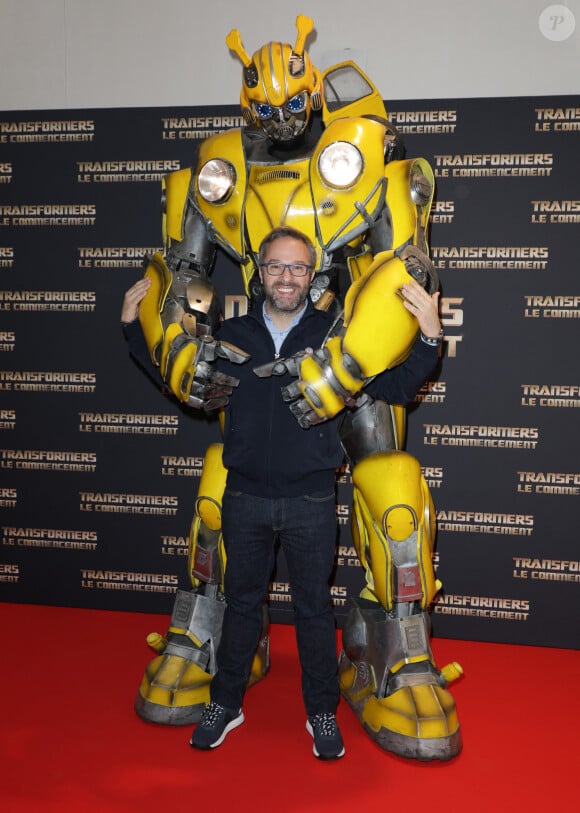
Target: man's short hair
x=287 y=231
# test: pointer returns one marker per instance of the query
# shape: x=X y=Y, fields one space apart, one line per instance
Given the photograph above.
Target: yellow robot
x=366 y=209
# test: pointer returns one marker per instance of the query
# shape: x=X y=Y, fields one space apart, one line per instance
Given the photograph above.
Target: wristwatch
x=433 y=341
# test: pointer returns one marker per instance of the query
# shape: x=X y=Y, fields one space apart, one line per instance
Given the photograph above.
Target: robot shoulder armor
x=227 y=145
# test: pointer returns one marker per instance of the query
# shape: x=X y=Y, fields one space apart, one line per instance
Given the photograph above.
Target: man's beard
x=287 y=304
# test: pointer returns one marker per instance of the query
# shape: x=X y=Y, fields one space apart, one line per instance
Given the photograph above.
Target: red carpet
x=71 y=741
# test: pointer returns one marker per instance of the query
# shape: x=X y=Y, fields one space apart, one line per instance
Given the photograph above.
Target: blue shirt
x=278 y=335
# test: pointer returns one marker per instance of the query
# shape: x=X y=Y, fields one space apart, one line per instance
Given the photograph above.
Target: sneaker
x=215 y=724
x=326 y=735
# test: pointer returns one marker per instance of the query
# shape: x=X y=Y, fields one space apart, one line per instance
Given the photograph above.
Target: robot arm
x=376 y=334
x=181 y=309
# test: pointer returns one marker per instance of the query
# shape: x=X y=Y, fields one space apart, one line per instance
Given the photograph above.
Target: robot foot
x=175 y=687
x=418 y=720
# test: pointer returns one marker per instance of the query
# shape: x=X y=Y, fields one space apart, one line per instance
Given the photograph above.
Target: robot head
x=281 y=86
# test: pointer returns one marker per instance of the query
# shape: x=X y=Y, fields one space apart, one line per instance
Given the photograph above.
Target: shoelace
x=211 y=713
x=326 y=723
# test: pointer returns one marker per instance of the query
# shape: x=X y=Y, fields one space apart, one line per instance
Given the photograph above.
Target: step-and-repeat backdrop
x=99 y=470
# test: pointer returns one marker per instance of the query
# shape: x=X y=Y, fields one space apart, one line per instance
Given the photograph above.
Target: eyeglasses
x=276 y=269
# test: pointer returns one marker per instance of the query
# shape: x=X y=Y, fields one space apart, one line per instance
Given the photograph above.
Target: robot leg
x=387 y=671
x=175 y=687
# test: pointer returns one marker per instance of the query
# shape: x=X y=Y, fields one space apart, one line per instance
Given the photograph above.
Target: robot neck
x=297 y=148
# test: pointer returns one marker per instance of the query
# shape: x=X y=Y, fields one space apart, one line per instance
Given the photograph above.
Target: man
x=281 y=486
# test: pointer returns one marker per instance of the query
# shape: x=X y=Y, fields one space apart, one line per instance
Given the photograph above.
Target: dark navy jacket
x=266 y=451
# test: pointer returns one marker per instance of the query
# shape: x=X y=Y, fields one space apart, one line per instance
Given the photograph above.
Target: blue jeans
x=306 y=527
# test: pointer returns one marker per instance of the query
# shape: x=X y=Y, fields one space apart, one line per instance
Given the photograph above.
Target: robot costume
x=366 y=209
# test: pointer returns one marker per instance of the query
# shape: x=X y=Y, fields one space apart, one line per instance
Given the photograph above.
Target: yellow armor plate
x=227 y=217
x=211 y=486
x=175 y=188
x=278 y=195
x=337 y=216
x=152 y=305
x=379 y=329
x=406 y=226
x=382 y=481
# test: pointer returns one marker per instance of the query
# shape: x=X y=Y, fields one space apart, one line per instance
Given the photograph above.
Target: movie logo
x=443 y=212
x=7 y=419
x=115 y=423
x=47 y=460
x=484 y=437
x=47 y=214
x=125 y=171
x=114 y=503
x=57 y=539
x=546 y=570
x=552 y=396
x=48 y=301
x=451 y=312
x=494 y=165
x=490 y=258
x=47 y=381
x=557 y=120
x=434 y=476
x=174 y=546
x=555 y=212
x=485 y=522
x=197 y=127
x=128 y=581
x=346 y=556
x=344 y=474
x=279 y=592
x=432 y=392
x=48 y=131
x=7 y=341
x=6 y=256
x=181 y=466
x=423 y=122
x=549 y=483
x=113 y=257
x=342 y=513
x=8 y=497
x=490 y=608
x=552 y=306
x=9 y=574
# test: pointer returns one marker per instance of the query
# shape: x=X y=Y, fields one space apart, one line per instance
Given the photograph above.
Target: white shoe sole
x=230 y=727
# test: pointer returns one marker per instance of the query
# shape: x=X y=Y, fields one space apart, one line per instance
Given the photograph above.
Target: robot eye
x=297 y=104
x=264 y=111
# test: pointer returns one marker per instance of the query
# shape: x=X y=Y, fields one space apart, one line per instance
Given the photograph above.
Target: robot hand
x=325 y=383
x=186 y=367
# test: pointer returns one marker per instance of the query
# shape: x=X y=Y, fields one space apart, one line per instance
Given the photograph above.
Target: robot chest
x=331 y=194
x=296 y=195
x=278 y=195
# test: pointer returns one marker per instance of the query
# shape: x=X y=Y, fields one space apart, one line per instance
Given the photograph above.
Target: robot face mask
x=281 y=86
x=284 y=123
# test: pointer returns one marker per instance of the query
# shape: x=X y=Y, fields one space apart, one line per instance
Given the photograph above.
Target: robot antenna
x=304 y=26
x=234 y=43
